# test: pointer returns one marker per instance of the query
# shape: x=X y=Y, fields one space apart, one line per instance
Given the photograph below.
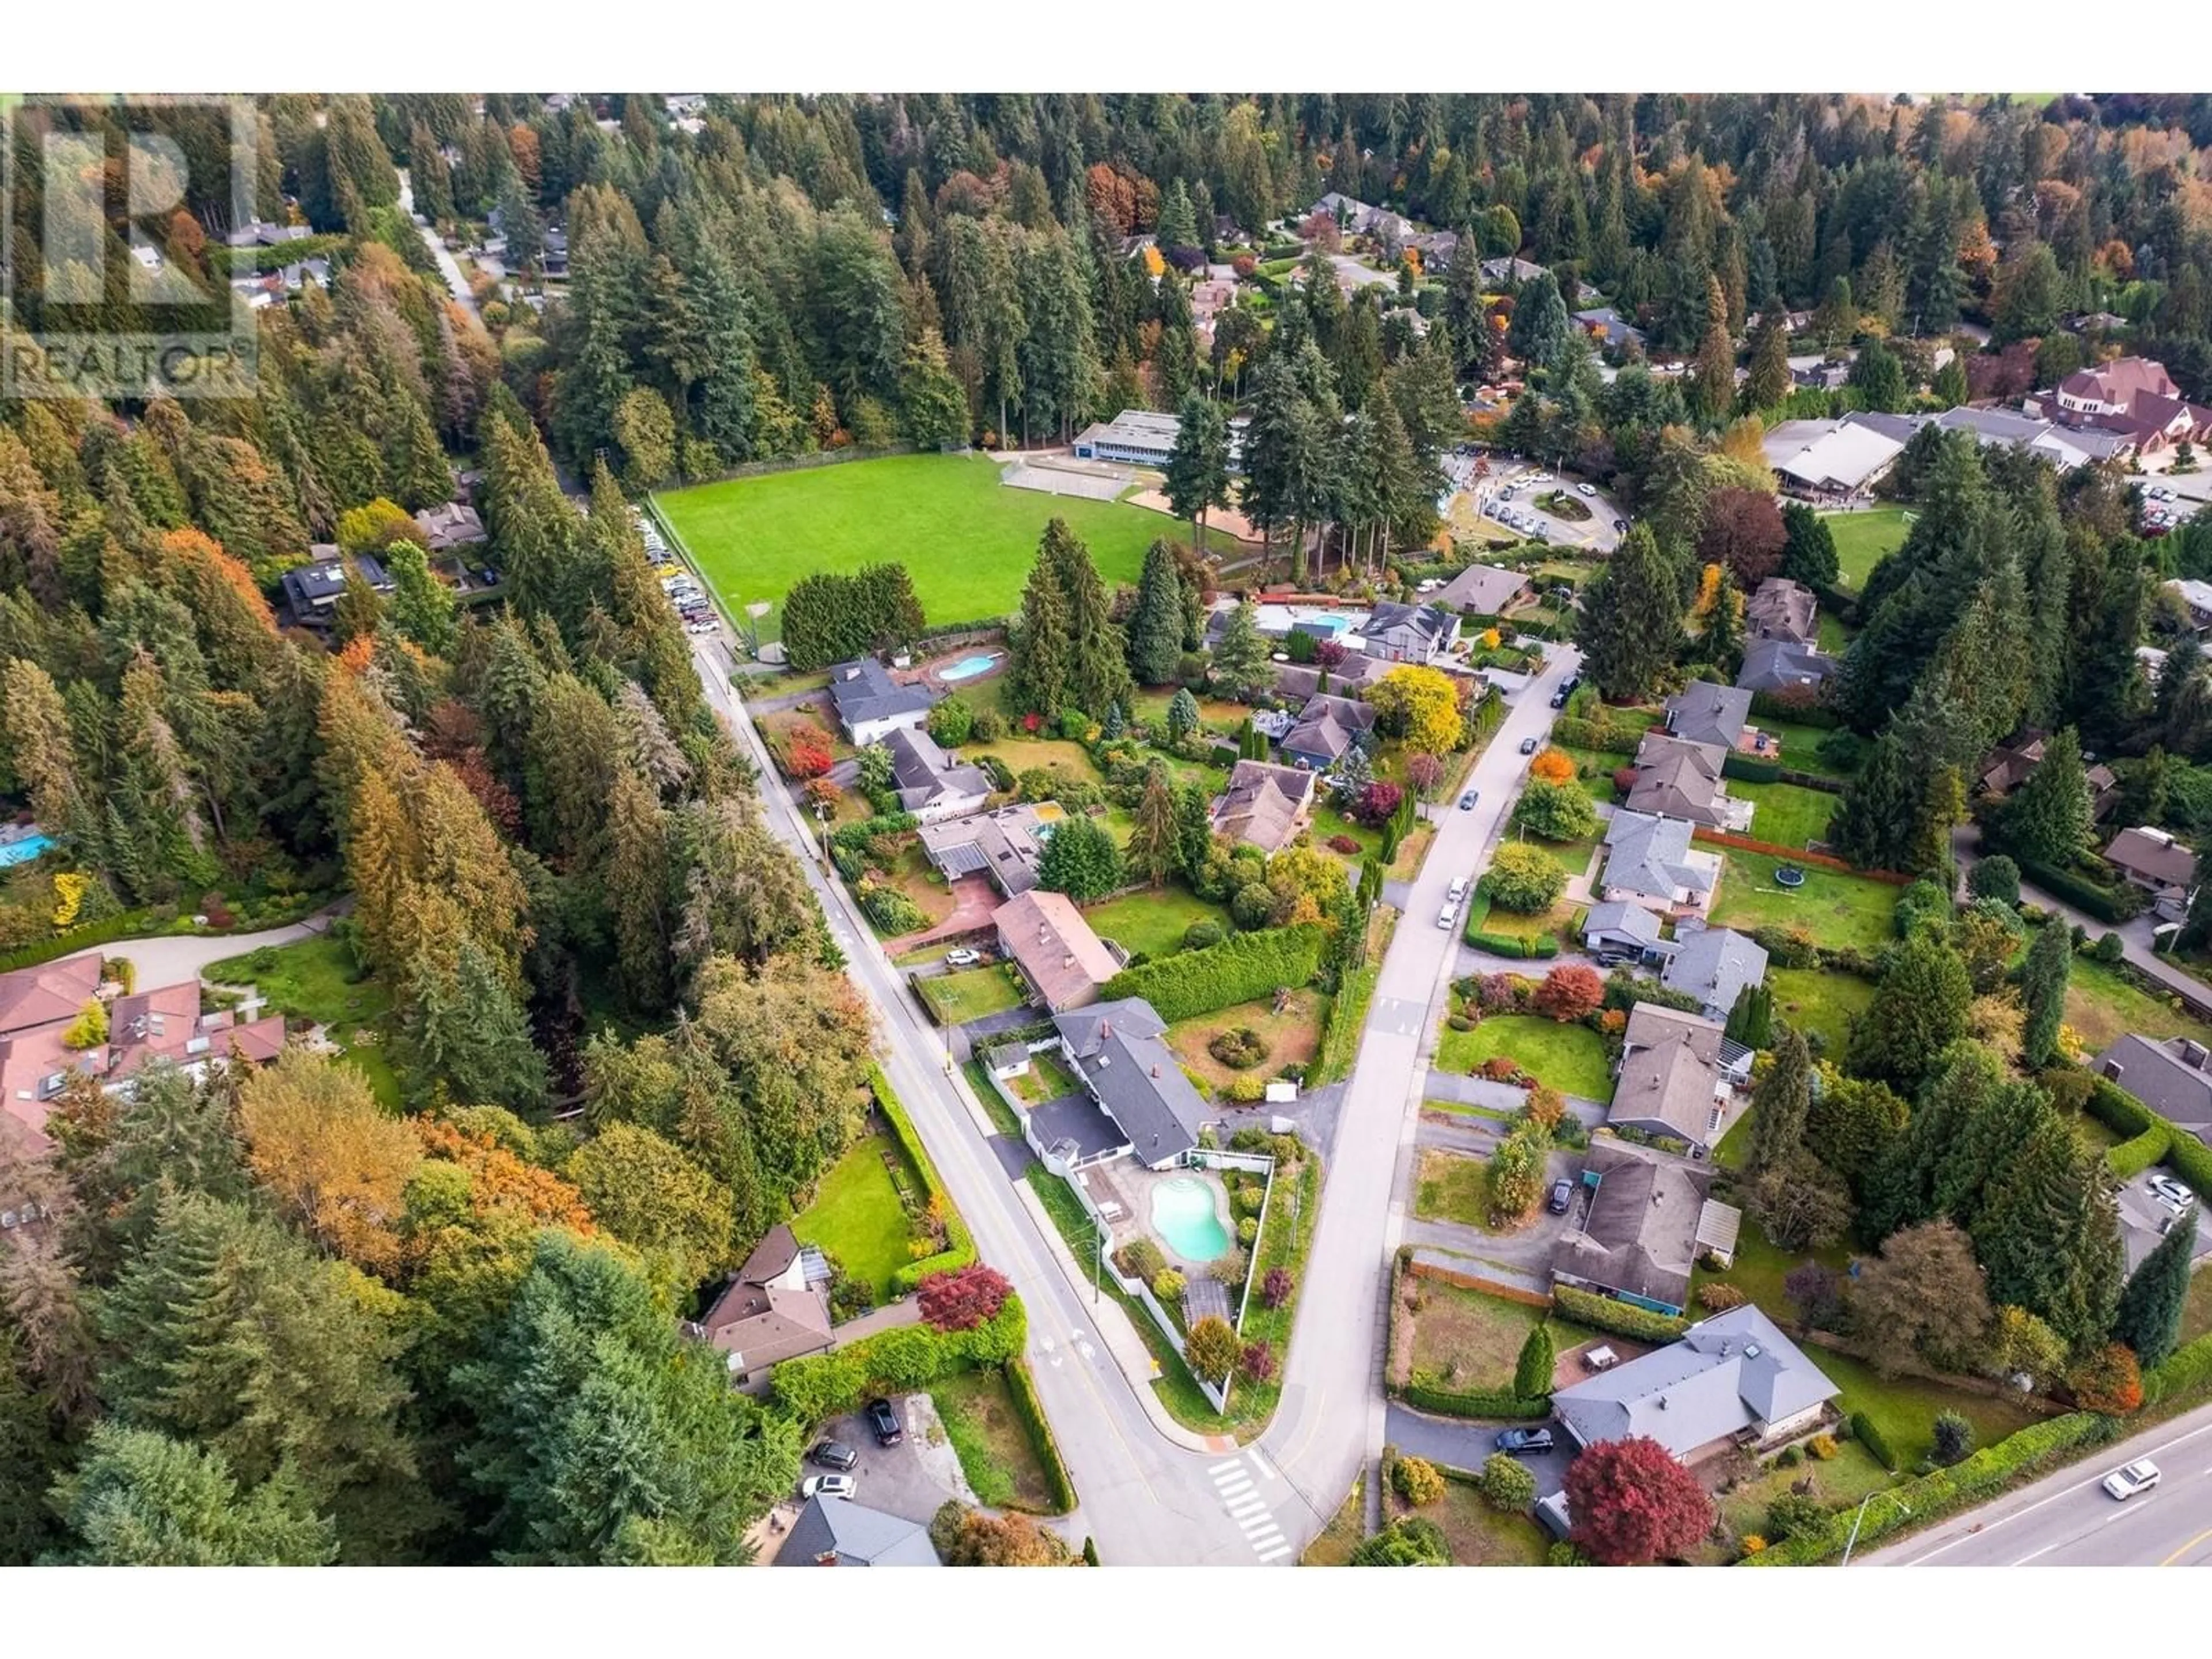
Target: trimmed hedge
x=1603 y=1313
x=1241 y=968
x=1604 y=737
x=2119 y=1110
x=2032 y=1451
x=1865 y=1432
x=2190 y=1159
x=2131 y=1158
x=854 y=836
x=2187 y=1369
x=1542 y=946
x=960 y=1252
x=1474 y=1403
x=1745 y=769
x=2113 y=904
x=1021 y=1384
x=896 y=1361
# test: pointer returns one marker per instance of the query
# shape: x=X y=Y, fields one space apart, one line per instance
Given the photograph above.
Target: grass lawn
x=1150 y=708
x=317 y=980
x=1800 y=748
x=1568 y=1058
x=1835 y=908
x=959 y=998
x=1477 y=1534
x=1070 y=760
x=1814 y=1000
x=1786 y=814
x=1516 y=925
x=1153 y=922
x=1046 y=1079
x=1863 y=539
x=1835 y=638
x=1451 y=1187
x=967 y=541
x=2196 y=1312
x=2101 y=1006
x=1346 y=1531
x=1465 y=1339
x=1571 y=856
x=995 y=1448
x=1593 y=770
x=857 y=1217
x=1838 y=1483
x=1291 y=1036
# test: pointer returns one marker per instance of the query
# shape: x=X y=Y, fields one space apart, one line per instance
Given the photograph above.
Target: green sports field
x=1863 y=539
x=966 y=540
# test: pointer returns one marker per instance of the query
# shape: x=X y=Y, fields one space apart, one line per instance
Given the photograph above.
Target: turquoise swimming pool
x=967 y=668
x=23 y=851
x=1185 y=1214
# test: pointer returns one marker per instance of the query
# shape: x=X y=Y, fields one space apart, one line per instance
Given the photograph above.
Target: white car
x=1448 y=916
x=1458 y=890
x=2126 y=1481
x=962 y=958
x=2171 y=1192
x=699 y=628
x=1538 y=478
x=828 y=1485
x=1585 y=489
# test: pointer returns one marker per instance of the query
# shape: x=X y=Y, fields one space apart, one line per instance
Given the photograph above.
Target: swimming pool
x=967 y=668
x=1184 y=1214
x=23 y=851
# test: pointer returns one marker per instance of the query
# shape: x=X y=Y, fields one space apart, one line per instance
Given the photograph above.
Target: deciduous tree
x=1633 y=1504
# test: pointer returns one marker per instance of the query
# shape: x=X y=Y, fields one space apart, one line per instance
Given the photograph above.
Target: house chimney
x=2112 y=1070
x=2193 y=1054
x=1105 y=1028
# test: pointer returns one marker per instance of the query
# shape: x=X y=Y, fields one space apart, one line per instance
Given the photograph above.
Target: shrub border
x=961 y=1251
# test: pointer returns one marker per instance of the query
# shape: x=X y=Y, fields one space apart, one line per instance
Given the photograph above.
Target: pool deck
x=933 y=673
x=1131 y=1186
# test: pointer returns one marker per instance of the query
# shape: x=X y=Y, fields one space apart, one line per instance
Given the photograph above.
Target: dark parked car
x=1525 y=1440
x=884 y=1421
x=1559 y=699
x=1563 y=1194
x=1528 y=746
x=834 y=1454
x=1467 y=802
x=1622 y=525
x=487 y=576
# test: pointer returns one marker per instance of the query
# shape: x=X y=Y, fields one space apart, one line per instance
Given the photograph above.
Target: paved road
x=1464 y=1445
x=2068 y=1521
x=1146 y=1499
x=1330 y=1423
x=1593 y=535
x=448 y=267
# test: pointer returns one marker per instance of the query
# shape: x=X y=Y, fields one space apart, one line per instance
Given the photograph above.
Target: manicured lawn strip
x=1836 y=909
x=1817 y=999
x=1863 y=539
x=1835 y=637
x=1153 y=920
x=1463 y=1109
x=1451 y=1187
x=1516 y=925
x=1800 y=746
x=1786 y=814
x=1568 y=1058
x=1571 y=856
x=1001 y=1115
x=972 y=992
x=967 y=541
x=2196 y=1312
x=1291 y=1036
x=316 y=980
x=2101 y=1006
x=857 y=1217
x=986 y=1431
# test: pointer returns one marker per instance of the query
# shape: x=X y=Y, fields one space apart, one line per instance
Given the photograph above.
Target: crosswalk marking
x=1245 y=1505
x=1222 y=1468
x=1258 y=1523
x=1276 y=1554
x=1237 y=1488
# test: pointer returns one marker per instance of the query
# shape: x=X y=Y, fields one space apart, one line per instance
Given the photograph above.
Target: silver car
x=2127 y=1480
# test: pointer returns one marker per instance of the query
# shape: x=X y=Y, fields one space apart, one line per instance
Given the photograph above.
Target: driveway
x=909 y=1479
x=1464 y=1445
x=1500 y=1096
x=973 y=898
x=173 y=960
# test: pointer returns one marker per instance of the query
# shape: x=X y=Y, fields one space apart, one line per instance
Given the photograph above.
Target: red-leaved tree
x=1743 y=530
x=1425 y=772
x=1632 y=1504
x=1378 y=802
x=1570 y=993
x=963 y=1300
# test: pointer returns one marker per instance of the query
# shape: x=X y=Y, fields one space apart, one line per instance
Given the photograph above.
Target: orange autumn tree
x=498 y=1180
x=329 y=1156
x=1554 y=766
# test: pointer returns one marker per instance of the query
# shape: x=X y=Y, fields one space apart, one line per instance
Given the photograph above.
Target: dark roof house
x=1713 y=964
x=1265 y=805
x=1704 y=713
x=768 y=1313
x=2172 y=1076
x=1486 y=589
x=1006 y=845
x=1327 y=727
x=1679 y=779
x=1784 y=666
x=1638 y=1238
x=1409 y=633
x=1783 y=610
x=872 y=705
x=1117 y=1049
x=932 y=783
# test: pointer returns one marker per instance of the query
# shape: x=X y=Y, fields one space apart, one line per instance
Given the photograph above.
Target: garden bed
x=1291 y=1037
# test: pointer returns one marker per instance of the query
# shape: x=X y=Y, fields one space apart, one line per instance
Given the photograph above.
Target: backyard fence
x=1794 y=855
x=1208 y=1157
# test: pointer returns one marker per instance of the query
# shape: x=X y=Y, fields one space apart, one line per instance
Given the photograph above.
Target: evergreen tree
x=1768 y=384
x=2048 y=820
x=138 y=1498
x=1097 y=665
x=1081 y=860
x=1152 y=840
x=1193 y=831
x=1242 y=666
x=1541 y=322
x=1713 y=380
x=1197 y=467
x=466 y=1030
x=2043 y=990
x=1041 y=650
x=1632 y=618
x=1872 y=825
x=1918 y=1010
x=1532 y=1373
x=1809 y=555
x=1780 y=1104
x=2149 y=1316
x=1155 y=627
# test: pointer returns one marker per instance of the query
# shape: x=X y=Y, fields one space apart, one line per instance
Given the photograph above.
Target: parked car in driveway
x=961 y=957
x=1525 y=1440
x=884 y=1421
x=828 y=1485
x=2171 y=1192
x=1563 y=1196
x=834 y=1454
x=2129 y=1479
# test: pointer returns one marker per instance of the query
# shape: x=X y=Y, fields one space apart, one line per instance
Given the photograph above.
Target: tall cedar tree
x=1780 y=1103
x=1872 y=825
x=1918 y=1010
x=2149 y=1316
x=1198 y=465
x=2048 y=818
x=1632 y=618
x=1155 y=627
x=2043 y=989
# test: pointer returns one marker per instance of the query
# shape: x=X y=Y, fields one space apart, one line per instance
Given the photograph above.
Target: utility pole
x=1859 y=1519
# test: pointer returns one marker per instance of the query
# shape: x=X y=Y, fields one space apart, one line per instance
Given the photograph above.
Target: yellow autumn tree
x=1422 y=705
x=329 y=1156
x=1709 y=590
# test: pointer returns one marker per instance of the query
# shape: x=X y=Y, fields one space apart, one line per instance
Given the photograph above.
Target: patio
x=1123 y=1191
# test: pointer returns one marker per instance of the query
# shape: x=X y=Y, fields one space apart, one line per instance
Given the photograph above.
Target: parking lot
x=1507 y=497
x=911 y=1480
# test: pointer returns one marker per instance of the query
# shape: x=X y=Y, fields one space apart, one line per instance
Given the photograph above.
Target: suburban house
x=1302 y=680
x=2173 y=1077
x=1646 y=1220
x=1651 y=1023
x=2132 y=400
x=1651 y=865
x=1679 y=779
x=1137 y=1104
x=2197 y=596
x=1358 y=218
x=1712 y=964
x=1510 y=268
x=930 y=783
x=1483 y=590
x=1005 y=844
x=1814 y=370
x=260 y=232
x=1831 y=460
x=872 y=705
x=1702 y=711
x=1408 y=633
x=449 y=526
x=2013 y=761
x=1265 y=805
x=774 y=1308
x=1327 y=727
x=836 y=1531
x=38 y=1006
x=1732 y=1380
x=1783 y=666
x=1673 y=1090
x=312 y=592
x=1062 y=961
x=2155 y=861
x=1609 y=331
x=1783 y=610
x=1621 y=925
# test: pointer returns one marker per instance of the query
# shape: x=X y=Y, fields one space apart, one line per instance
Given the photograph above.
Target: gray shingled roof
x=1650 y=854
x=863 y=690
x=1618 y=916
x=1713 y=964
x=1135 y=1075
x=1733 y=1372
x=837 y=1532
x=1704 y=713
x=2161 y=1075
